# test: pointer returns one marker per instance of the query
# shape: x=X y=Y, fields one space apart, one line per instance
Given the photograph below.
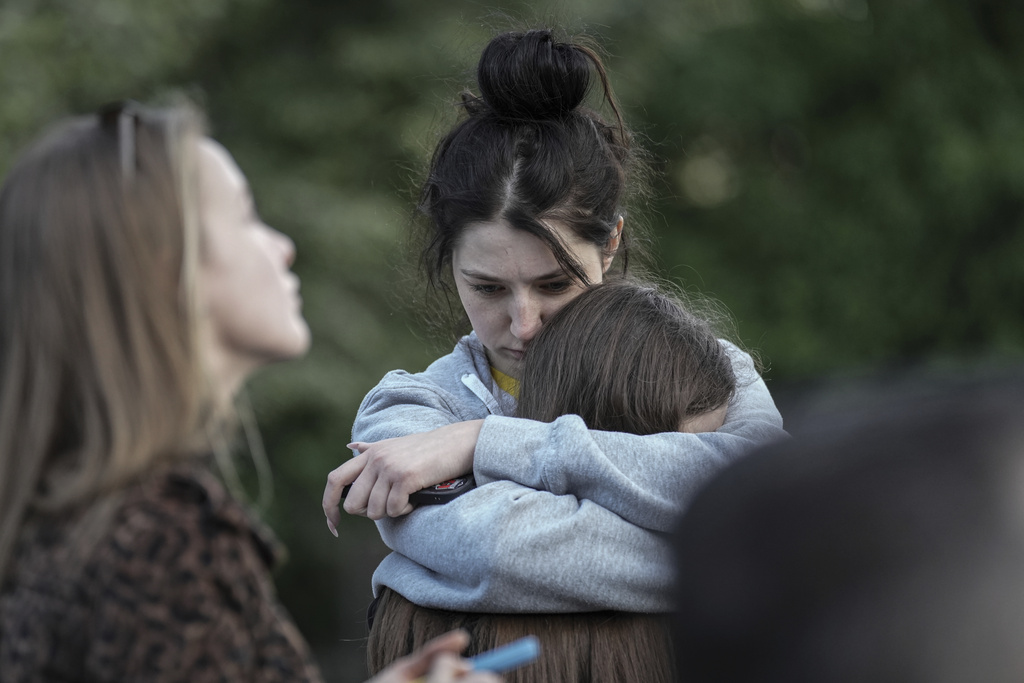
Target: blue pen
x=506 y=657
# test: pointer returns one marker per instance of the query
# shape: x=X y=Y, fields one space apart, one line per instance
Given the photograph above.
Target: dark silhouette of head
x=883 y=543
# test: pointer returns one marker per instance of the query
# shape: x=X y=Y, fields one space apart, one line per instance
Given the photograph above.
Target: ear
x=613 y=246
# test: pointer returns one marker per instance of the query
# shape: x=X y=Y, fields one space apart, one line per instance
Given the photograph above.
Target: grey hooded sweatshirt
x=563 y=519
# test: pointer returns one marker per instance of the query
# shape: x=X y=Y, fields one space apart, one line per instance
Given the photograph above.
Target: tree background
x=846 y=176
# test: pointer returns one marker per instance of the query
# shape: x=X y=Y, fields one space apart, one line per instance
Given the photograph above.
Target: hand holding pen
x=437 y=661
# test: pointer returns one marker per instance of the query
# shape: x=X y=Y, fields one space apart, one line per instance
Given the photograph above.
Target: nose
x=284 y=244
x=526 y=319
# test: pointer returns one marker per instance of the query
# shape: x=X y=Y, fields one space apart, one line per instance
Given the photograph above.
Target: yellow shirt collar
x=509 y=385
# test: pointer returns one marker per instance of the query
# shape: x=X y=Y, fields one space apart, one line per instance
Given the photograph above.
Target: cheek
x=552 y=307
x=486 y=318
x=471 y=303
x=481 y=316
x=556 y=304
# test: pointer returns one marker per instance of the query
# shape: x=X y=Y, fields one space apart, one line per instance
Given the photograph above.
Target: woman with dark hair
x=653 y=367
x=138 y=291
x=524 y=208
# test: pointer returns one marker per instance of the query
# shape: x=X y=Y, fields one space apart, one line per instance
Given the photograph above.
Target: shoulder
x=183 y=583
x=143 y=579
x=446 y=372
x=176 y=536
x=182 y=511
x=744 y=364
x=441 y=382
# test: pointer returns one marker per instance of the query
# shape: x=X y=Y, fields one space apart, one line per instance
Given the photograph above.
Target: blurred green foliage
x=845 y=176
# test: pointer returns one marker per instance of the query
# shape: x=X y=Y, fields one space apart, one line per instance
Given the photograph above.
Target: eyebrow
x=477 y=275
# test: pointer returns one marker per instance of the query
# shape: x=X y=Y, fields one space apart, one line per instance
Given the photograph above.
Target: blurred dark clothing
x=167 y=580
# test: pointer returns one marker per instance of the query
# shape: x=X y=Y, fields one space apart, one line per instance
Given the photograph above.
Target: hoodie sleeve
x=564 y=518
x=647 y=480
x=506 y=548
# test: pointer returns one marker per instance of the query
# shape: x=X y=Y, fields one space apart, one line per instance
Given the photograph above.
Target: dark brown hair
x=585 y=647
x=626 y=357
x=528 y=152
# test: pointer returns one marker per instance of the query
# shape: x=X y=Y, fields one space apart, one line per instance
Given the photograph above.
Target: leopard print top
x=177 y=588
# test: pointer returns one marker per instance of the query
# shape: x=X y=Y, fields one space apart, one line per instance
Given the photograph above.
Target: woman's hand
x=386 y=472
x=436 y=662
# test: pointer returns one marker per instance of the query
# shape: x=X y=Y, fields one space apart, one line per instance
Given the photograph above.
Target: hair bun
x=529 y=75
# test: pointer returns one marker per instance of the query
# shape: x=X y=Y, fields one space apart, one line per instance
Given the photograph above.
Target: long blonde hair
x=100 y=371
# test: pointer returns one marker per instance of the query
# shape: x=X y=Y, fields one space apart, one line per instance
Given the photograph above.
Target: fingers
x=336 y=482
x=438 y=661
x=392 y=471
x=421 y=661
x=454 y=641
x=389 y=498
x=447 y=668
x=476 y=677
x=398 y=503
x=376 y=504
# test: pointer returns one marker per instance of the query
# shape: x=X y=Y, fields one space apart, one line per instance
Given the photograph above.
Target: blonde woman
x=138 y=291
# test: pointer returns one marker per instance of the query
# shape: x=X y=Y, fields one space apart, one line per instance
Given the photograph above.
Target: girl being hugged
x=524 y=208
x=655 y=366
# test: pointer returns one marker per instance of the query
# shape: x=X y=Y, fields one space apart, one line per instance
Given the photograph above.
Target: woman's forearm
x=506 y=548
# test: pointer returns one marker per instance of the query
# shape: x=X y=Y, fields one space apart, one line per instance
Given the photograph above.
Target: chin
x=287 y=347
x=299 y=346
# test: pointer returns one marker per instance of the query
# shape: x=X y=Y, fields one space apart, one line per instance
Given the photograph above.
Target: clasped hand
x=386 y=472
